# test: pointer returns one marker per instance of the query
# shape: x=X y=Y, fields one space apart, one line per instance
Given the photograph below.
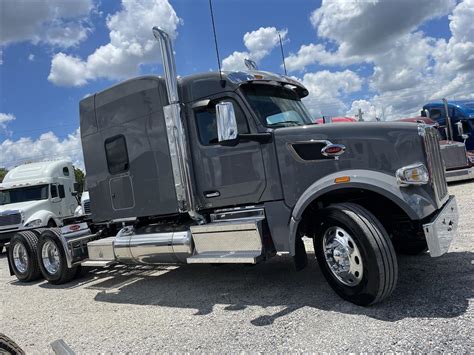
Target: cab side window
x=436 y=114
x=54 y=191
x=206 y=121
x=117 y=154
x=62 y=193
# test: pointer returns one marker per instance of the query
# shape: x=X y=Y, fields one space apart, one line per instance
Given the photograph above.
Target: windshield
x=30 y=193
x=276 y=106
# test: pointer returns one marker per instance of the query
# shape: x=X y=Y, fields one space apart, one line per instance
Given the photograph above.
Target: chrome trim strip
x=435 y=165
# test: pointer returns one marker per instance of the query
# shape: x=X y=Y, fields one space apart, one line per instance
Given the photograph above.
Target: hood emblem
x=333 y=150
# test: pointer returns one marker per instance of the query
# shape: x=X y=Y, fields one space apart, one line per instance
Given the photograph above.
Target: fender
x=417 y=204
x=45 y=216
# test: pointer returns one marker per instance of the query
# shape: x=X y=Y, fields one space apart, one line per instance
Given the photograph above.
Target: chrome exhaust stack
x=449 y=128
x=175 y=131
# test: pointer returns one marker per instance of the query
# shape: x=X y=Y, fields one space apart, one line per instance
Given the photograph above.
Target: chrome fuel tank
x=152 y=245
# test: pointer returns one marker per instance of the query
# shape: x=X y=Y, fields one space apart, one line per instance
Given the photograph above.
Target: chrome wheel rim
x=20 y=257
x=343 y=256
x=50 y=257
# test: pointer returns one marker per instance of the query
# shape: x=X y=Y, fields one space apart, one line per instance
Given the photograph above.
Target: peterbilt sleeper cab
x=228 y=168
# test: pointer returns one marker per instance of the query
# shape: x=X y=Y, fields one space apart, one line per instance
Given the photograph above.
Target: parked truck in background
x=36 y=195
x=455 y=120
x=227 y=167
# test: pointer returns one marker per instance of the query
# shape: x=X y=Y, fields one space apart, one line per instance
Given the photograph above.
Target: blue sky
x=333 y=47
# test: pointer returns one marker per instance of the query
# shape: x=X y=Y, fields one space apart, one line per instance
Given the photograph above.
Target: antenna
x=282 y=55
x=215 y=41
x=250 y=64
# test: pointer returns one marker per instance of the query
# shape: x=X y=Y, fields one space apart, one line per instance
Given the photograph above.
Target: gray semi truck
x=227 y=167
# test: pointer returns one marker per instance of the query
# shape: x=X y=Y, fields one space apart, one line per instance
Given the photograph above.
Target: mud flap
x=10 y=268
x=300 y=258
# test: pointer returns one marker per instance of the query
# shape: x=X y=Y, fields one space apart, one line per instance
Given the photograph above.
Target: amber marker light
x=342 y=179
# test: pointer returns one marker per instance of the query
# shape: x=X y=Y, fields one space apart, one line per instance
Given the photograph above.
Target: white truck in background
x=36 y=195
x=85 y=207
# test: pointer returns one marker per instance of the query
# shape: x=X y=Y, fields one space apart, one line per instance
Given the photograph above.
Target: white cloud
x=409 y=67
x=31 y=57
x=368 y=27
x=370 y=112
x=326 y=90
x=47 y=146
x=316 y=53
x=4 y=119
x=53 y=22
x=68 y=71
x=259 y=44
x=131 y=44
x=363 y=30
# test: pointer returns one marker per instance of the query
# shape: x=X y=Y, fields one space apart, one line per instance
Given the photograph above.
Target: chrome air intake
x=152 y=245
x=175 y=131
x=435 y=165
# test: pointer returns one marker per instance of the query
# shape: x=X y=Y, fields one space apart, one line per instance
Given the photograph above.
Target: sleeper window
x=206 y=122
x=117 y=155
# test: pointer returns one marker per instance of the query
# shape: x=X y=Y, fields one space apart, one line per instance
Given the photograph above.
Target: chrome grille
x=87 y=207
x=436 y=165
x=10 y=219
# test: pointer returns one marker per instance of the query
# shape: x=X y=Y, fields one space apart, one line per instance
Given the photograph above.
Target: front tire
x=355 y=254
x=52 y=259
x=22 y=254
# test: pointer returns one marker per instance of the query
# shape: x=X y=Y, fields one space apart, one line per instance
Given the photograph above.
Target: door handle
x=211 y=194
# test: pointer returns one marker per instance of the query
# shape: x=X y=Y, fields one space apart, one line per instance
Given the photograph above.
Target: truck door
x=225 y=175
x=56 y=200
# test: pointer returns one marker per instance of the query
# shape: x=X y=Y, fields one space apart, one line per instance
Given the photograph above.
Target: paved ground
x=268 y=307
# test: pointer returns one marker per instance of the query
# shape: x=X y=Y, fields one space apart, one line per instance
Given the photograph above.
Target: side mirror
x=226 y=122
x=460 y=128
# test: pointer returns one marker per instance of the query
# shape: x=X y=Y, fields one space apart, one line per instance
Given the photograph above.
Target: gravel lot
x=268 y=307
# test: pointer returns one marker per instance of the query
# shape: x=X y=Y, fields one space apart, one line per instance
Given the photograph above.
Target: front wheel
x=355 y=254
x=52 y=259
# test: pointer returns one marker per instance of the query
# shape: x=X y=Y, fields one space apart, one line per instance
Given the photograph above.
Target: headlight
x=34 y=223
x=415 y=174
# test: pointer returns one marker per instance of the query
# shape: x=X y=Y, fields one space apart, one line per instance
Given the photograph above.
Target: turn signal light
x=340 y=179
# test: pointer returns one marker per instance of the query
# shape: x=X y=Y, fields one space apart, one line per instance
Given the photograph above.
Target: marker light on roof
x=240 y=76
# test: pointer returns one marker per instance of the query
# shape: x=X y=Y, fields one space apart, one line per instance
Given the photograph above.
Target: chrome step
x=101 y=249
x=233 y=257
x=227 y=242
x=98 y=263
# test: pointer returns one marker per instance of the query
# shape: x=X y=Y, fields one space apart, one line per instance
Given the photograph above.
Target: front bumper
x=460 y=174
x=442 y=229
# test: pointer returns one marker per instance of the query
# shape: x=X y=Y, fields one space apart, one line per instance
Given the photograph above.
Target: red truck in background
x=459 y=162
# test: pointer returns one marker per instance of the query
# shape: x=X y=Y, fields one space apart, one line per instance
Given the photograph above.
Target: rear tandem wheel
x=52 y=258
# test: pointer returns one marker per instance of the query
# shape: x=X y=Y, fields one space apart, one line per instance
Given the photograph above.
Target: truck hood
x=23 y=206
x=382 y=147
